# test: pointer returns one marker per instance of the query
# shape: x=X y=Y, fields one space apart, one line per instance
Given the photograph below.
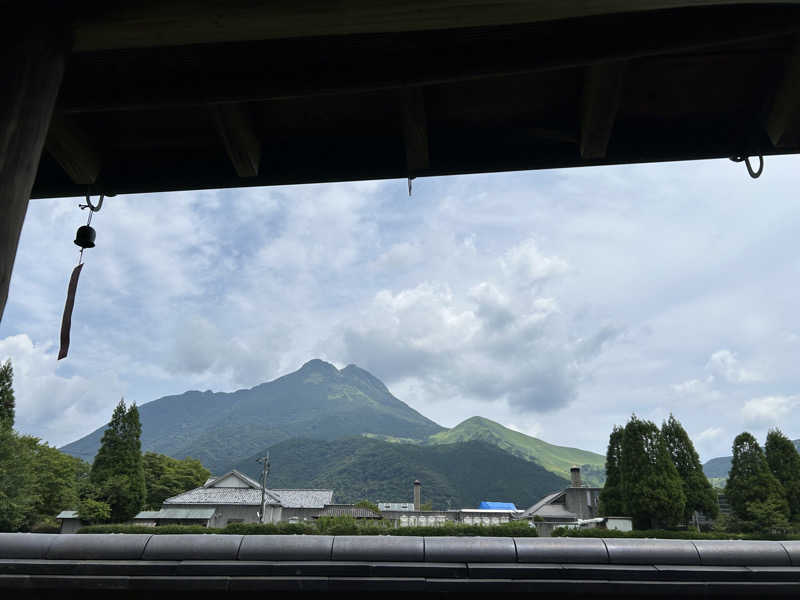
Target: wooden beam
x=72 y=148
x=31 y=68
x=166 y=78
x=783 y=119
x=415 y=132
x=235 y=126
x=151 y=23
x=602 y=86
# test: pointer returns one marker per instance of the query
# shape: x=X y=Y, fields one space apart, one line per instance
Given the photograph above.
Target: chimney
x=575 y=475
x=417 y=487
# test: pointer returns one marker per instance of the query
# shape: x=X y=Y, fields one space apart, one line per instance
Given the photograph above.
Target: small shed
x=70 y=521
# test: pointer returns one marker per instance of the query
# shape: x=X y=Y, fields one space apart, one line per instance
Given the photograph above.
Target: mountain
x=719 y=467
x=317 y=401
x=556 y=459
x=452 y=475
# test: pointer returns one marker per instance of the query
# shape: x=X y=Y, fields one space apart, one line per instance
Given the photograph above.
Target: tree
x=117 y=471
x=16 y=472
x=6 y=396
x=700 y=495
x=166 y=476
x=612 y=501
x=16 y=481
x=651 y=486
x=371 y=506
x=54 y=485
x=756 y=497
x=784 y=462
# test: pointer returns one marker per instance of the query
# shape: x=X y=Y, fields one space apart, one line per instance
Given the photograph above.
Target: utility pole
x=264 y=460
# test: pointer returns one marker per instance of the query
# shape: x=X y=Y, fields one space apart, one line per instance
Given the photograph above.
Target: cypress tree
x=651 y=486
x=784 y=462
x=700 y=495
x=6 y=395
x=117 y=471
x=612 y=500
x=756 y=497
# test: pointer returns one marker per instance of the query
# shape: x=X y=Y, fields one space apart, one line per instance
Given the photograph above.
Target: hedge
x=329 y=526
x=665 y=534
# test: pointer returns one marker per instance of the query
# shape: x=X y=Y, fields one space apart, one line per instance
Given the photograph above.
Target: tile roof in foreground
x=252 y=497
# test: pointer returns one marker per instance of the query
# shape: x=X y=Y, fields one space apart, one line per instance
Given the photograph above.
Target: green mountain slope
x=458 y=475
x=317 y=401
x=556 y=459
x=718 y=468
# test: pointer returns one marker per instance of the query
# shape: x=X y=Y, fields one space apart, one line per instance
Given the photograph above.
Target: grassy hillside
x=458 y=475
x=317 y=401
x=556 y=459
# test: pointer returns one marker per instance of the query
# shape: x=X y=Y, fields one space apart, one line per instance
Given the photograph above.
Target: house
x=573 y=507
x=70 y=521
x=409 y=514
x=236 y=498
x=570 y=504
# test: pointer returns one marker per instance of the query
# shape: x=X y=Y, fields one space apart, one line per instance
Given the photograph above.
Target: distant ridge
x=556 y=459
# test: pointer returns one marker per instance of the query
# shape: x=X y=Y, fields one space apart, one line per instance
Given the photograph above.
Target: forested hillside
x=453 y=475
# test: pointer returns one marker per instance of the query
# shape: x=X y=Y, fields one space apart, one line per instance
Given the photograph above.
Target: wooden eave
x=157 y=101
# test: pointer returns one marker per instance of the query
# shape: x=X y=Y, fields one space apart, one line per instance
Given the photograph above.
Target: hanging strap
x=66 y=319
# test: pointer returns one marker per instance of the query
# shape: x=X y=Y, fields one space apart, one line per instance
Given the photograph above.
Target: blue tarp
x=497 y=506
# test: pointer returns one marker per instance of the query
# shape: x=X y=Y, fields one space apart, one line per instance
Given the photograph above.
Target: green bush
x=329 y=526
x=664 y=534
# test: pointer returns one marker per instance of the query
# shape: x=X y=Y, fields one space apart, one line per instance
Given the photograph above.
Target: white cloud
x=768 y=410
x=695 y=387
x=725 y=364
x=708 y=435
x=50 y=404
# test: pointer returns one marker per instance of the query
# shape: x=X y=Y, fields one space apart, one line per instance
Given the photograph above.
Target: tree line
x=763 y=487
x=655 y=476
x=37 y=481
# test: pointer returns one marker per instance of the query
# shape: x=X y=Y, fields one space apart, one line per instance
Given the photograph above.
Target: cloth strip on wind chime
x=85 y=239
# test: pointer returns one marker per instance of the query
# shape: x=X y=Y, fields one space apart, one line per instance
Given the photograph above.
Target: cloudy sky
x=555 y=302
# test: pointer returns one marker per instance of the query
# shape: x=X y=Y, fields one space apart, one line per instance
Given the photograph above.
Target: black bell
x=85 y=237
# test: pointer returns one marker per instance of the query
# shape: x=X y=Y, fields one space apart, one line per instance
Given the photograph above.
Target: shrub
x=328 y=526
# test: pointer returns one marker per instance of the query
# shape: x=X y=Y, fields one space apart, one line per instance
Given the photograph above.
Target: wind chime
x=84 y=238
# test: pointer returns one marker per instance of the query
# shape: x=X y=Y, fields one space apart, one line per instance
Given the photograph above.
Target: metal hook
x=91 y=206
x=746 y=159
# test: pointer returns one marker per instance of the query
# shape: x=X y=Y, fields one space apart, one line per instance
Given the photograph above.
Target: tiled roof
x=252 y=497
x=67 y=514
x=546 y=500
x=241 y=476
x=304 y=498
x=212 y=495
x=348 y=510
x=176 y=513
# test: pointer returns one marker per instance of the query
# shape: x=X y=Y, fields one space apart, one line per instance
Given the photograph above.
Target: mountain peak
x=319 y=365
x=356 y=372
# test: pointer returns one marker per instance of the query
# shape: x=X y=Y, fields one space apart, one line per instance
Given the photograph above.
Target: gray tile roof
x=212 y=495
x=252 y=497
x=544 y=501
x=304 y=498
x=176 y=513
